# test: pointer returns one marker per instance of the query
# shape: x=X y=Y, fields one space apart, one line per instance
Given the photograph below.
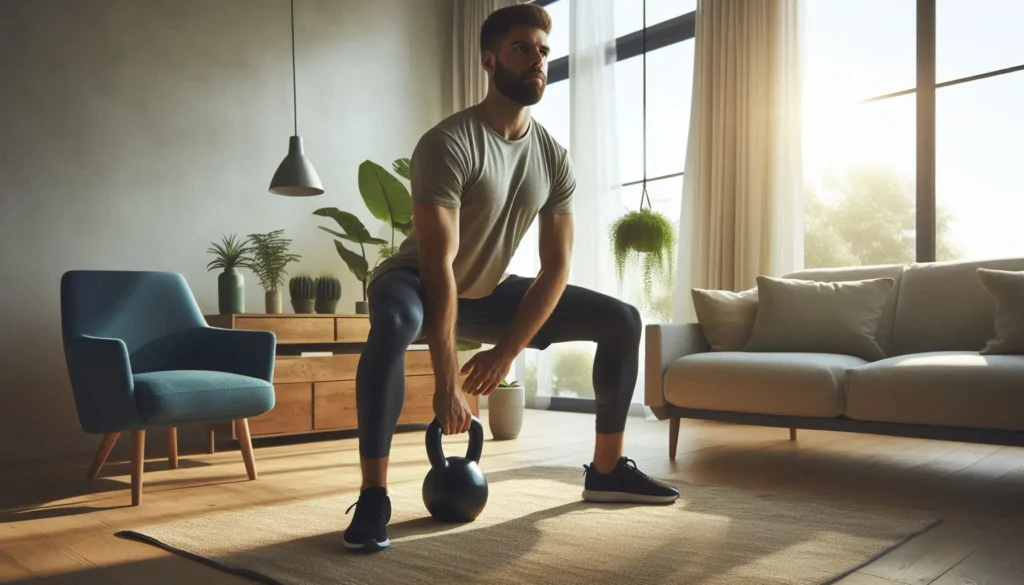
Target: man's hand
x=486 y=369
x=452 y=411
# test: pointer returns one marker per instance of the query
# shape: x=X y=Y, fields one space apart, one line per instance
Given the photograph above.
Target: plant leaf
x=348 y=222
x=385 y=196
x=405 y=228
x=401 y=167
x=356 y=263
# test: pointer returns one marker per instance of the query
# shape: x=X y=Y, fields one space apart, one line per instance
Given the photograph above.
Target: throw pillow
x=725 y=317
x=1007 y=288
x=820 y=317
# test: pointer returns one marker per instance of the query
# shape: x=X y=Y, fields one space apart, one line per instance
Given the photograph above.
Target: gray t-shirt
x=499 y=187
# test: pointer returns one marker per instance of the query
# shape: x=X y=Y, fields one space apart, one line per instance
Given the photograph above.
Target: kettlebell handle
x=436 y=454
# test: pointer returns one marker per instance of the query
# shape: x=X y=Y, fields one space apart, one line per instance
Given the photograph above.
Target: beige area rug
x=536 y=529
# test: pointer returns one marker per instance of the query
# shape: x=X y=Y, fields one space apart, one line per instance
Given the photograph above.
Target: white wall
x=135 y=132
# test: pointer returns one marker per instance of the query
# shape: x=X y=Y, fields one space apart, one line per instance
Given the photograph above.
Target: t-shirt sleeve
x=438 y=170
x=563 y=186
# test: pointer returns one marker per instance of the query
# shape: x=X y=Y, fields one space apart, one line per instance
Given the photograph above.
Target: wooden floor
x=55 y=527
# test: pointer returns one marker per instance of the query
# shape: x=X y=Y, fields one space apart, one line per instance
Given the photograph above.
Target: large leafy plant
x=388 y=200
x=270 y=258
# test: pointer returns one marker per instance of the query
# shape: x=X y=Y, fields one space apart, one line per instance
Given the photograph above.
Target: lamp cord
x=295 y=93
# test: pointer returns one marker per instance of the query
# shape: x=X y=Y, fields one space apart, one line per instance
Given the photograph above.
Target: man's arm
x=437 y=229
x=556 y=238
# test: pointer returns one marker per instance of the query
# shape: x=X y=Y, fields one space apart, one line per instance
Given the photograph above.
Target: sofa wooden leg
x=211 y=439
x=792 y=434
x=138 y=462
x=172 y=447
x=245 y=442
x=673 y=437
x=106 y=446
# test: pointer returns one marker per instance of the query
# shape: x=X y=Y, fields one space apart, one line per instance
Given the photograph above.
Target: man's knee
x=397 y=321
x=625 y=320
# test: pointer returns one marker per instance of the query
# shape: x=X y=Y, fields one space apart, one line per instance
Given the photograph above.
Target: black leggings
x=396 y=320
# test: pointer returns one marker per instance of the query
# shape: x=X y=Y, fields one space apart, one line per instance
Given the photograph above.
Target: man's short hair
x=501 y=20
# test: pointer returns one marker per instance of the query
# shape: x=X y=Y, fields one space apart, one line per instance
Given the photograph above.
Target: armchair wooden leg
x=673 y=437
x=792 y=434
x=106 y=446
x=211 y=439
x=172 y=446
x=138 y=461
x=245 y=442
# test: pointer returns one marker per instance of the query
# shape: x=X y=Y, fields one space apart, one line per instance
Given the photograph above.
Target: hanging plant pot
x=645 y=238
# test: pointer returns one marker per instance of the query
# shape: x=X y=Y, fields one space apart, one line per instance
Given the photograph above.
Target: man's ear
x=488 y=60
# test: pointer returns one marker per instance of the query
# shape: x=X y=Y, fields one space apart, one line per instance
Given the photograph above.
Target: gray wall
x=135 y=132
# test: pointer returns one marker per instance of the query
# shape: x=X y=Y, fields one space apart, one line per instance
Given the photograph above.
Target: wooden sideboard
x=317 y=393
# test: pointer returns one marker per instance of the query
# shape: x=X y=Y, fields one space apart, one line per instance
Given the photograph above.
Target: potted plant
x=303 y=293
x=644 y=238
x=505 y=408
x=230 y=255
x=328 y=293
x=270 y=259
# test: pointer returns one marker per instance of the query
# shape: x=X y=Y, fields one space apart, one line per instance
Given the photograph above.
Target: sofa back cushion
x=944 y=307
x=884 y=333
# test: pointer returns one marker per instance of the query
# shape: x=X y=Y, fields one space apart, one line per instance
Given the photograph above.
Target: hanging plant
x=644 y=239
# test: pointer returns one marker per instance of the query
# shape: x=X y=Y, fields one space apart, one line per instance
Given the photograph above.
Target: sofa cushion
x=883 y=335
x=819 y=317
x=169 y=397
x=944 y=307
x=797 y=384
x=725 y=317
x=957 y=389
x=1007 y=289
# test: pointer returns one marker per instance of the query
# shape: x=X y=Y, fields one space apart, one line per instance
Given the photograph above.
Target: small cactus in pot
x=328 y=293
x=303 y=293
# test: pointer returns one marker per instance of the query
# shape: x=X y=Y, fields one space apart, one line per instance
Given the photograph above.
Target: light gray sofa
x=934 y=381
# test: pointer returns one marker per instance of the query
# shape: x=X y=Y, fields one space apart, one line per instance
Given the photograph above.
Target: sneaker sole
x=370 y=545
x=626 y=498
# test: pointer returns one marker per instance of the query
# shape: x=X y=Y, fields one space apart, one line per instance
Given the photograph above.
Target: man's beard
x=520 y=90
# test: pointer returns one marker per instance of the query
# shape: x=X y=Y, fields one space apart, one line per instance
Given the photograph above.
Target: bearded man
x=480 y=178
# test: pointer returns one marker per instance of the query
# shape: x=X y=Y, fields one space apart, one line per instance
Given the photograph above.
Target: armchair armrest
x=101 y=382
x=665 y=343
x=237 y=351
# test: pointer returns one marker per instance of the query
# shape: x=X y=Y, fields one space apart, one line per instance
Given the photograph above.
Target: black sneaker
x=368 y=530
x=626 y=484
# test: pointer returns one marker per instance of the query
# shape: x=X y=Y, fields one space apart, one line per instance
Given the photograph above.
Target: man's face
x=521 y=68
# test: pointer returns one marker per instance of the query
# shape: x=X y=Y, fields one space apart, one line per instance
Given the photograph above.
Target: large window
x=564 y=371
x=881 y=187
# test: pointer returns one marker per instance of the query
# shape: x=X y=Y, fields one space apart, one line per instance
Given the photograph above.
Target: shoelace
x=379 y=508
x=625 y=462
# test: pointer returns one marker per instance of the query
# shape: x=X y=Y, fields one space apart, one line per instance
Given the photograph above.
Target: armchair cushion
x=189 y=396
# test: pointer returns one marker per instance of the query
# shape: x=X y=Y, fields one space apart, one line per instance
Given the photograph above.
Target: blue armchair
x=140 y=356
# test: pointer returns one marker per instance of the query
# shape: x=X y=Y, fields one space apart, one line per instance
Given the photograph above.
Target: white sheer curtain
x=742 y=206
x=593 y=146
x=469 y=80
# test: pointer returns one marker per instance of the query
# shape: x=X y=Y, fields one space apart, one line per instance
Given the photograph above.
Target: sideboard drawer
x=340 y=366
x=334 y=405
x=292 y=412
x=298 y=330
x=351 y=329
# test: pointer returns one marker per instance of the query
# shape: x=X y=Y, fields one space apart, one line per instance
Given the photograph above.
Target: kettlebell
x=455 y=489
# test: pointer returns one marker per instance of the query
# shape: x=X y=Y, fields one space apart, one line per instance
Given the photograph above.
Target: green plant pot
x=303 y=305
x=230 y=292
x=326 y=306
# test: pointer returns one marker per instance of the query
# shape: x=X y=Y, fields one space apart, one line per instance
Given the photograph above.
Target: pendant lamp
x=295 y=176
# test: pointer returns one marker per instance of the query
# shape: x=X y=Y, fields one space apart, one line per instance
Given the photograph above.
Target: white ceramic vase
x=505 y=408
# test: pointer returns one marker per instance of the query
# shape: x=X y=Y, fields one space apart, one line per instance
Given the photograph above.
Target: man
x=479 y=180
